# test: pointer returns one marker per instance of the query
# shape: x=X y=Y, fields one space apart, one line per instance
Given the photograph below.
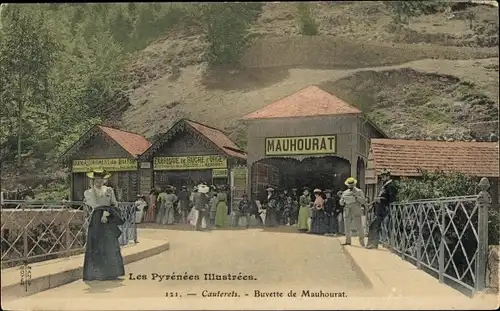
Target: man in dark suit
x=382 y=203
x=201 y=205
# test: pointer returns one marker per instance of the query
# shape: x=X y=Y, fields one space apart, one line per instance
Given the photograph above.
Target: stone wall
x=492 y=268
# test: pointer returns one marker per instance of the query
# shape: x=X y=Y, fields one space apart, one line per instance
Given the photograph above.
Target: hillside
x=143 y=66
x=434 y=71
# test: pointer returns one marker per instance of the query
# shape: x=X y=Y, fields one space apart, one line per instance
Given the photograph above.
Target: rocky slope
x=436 y=79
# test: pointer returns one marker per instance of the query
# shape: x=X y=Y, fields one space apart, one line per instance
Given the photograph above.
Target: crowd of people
x=168 y=206
x=323 y=212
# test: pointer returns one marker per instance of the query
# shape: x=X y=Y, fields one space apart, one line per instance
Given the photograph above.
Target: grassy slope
x=353 y=44
x=354 y=57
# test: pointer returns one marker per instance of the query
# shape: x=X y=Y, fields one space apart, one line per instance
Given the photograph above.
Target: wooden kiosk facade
x=190 y=153
x=310 y=124
x=114 y=150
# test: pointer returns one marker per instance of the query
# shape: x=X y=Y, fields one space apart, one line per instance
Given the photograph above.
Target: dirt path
x=277 y=261
x=221 y=98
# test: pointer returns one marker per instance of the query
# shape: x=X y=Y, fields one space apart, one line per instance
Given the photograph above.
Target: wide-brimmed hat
x=306 y=188
x=385 y=172
x=98 y=173
x=270 y=189
x=327 y=191
x=294 y=189
x=203 y=189
x=183 y=187
x=350 y=181
x=317 y=190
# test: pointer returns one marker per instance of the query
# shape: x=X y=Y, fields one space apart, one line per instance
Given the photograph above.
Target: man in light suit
x=353 y=200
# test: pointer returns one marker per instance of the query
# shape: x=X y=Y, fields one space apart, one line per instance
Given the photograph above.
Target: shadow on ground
x=243 y=79
x=185 y=227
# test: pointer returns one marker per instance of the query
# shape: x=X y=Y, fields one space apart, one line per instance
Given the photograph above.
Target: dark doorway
x=286 y=173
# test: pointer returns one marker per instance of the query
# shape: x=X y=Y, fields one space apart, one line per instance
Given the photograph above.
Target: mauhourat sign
x=302 y=145
x=112 y=165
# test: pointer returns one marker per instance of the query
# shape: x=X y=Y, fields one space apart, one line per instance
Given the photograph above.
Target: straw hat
x=98 y=173
x=350 y=181
x=385 y=171
x=317 y=190
x=270 y=189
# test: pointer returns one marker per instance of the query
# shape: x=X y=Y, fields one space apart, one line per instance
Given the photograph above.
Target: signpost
x=301 y=145
x=190 y=163
x=111 y=165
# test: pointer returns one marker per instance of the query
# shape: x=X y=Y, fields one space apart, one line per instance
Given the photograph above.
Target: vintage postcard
x=336 y=155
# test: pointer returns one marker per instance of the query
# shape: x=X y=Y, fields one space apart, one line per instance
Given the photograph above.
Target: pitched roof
x=311 y=101
x=405 y=157
x=133 y=143
x=220 y=139
x=214 y=137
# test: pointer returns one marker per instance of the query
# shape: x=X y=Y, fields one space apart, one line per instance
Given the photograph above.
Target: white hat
x=203 y=189
x=317 y=191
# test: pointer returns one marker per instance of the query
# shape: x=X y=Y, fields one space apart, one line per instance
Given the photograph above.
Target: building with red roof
x=109 y=148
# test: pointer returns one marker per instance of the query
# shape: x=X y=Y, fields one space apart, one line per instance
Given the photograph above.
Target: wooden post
x=483 y=202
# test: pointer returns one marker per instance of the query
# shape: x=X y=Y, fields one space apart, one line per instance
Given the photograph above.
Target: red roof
x=219 y=139
x=133 y=143
x=405 y=157
x=311 y=101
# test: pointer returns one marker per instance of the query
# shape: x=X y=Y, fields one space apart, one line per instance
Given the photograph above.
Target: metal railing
x=33 y=231
x=446 y=237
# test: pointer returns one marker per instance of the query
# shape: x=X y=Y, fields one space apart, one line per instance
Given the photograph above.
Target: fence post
x=67 y=235
x=403 y=233
x=483 y=202
x=25 y=231
x=134 y=224
x=442 y=227
x=420 y=238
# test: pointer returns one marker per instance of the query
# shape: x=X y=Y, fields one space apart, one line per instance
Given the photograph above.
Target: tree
x=27 y=54
x=227 y=29
x=121 y=29
x=402 y=11
x=307 y=24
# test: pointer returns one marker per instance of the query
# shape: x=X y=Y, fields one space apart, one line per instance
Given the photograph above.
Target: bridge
x=175 y=267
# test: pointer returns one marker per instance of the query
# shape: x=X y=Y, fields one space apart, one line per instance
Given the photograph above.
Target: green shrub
x=227 y=27
x=306 y=21
x=440 y=185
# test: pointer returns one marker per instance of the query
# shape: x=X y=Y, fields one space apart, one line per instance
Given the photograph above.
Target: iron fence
x=446 y=237
x=33 y=231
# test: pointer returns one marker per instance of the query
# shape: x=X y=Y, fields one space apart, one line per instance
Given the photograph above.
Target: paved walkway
x=279 y=262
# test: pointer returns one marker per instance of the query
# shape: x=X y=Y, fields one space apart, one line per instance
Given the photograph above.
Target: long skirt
x=303 y=218
x=150 y=213
x=193 y=218
x=271 y=218
x=319 y=223
x=221 y=218
x=160 y=214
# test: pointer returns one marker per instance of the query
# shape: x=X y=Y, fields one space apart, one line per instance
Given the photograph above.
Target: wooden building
x=190 y=153
x=405 y=158
x=114 y=150
x=310 y=138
